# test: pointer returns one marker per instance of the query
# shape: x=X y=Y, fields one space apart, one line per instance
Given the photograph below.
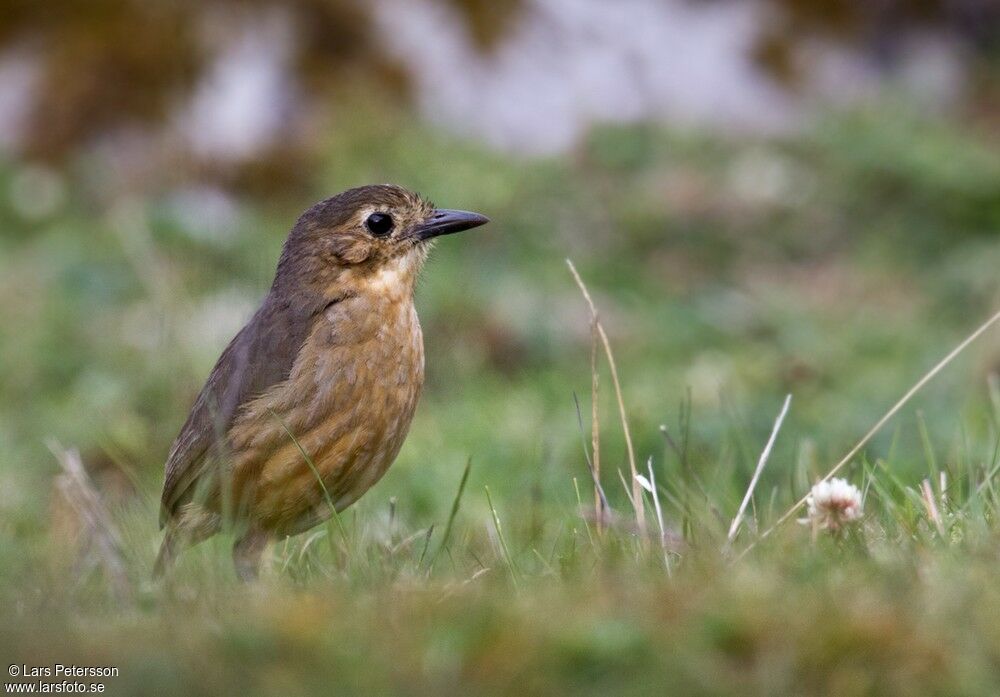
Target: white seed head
x=833 y=504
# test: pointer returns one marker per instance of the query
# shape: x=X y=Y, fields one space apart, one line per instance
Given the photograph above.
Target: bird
x=309 y=404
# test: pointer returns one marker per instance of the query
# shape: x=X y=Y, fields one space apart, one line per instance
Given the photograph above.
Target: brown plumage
x=331 y=366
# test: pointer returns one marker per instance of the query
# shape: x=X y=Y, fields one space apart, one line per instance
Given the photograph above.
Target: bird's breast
x=340 y=418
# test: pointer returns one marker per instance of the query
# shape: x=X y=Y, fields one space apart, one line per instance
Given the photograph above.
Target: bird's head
x=366 y=233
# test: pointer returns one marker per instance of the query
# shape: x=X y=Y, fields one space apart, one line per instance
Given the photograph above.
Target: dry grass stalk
x=604 y=509
x=650 y=486
x=932 y=510
x=930 y=375
x=765 y=454
x=99 y=534
x=640 y=513
x=595 y=428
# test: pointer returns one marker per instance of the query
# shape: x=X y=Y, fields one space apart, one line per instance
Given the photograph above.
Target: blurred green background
x=828 y=229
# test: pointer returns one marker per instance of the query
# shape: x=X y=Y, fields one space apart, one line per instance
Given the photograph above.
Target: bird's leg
x=246 y=553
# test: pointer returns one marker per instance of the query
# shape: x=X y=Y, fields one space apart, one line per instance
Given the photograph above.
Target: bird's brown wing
x=259 y=356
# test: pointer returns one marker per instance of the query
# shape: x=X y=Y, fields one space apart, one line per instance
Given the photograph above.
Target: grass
x=483 y=563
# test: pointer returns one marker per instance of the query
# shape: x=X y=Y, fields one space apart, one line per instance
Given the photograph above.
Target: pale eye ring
x=379 y=224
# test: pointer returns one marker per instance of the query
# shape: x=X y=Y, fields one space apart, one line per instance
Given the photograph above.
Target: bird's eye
x=379 y=224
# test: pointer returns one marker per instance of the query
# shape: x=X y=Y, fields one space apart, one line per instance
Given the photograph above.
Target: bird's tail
x=167 y=554
x=182 y=532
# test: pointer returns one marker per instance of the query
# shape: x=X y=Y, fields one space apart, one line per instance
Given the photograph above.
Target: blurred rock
x=568 y=64
x=247 y=95
x=20 y=70
x=217 y=87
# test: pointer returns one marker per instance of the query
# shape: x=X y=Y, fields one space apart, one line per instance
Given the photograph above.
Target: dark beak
x=445 y=222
